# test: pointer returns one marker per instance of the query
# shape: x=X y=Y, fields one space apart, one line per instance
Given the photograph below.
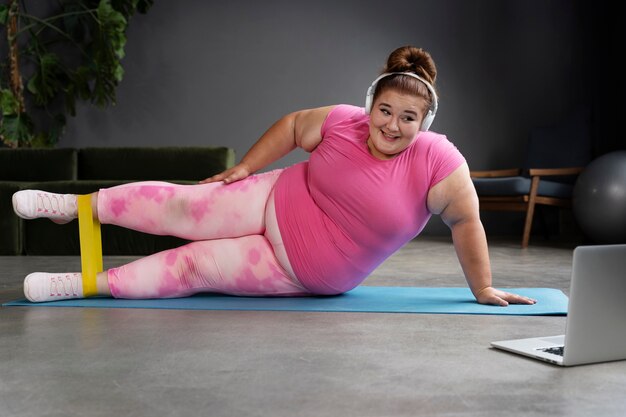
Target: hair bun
x=412 y=59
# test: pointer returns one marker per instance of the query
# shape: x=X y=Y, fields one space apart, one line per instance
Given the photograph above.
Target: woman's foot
x=42 y=286
x=32 y=204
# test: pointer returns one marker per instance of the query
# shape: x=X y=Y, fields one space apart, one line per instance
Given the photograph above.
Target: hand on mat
x=236 y=173
x=490 y=295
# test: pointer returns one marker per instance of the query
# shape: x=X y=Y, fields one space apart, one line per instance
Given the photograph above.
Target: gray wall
x=220 y=73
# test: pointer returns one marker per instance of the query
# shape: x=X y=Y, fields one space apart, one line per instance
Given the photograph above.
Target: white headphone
x=432 y=111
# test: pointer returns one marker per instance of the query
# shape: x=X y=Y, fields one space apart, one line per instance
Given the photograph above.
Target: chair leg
x=528 y=224
x=534 y=185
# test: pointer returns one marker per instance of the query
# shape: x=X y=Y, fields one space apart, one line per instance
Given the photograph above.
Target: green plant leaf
x=4 y=14
x=57 y=129
x=112 y=28
x=118 y=73
x=8 y=102
x=125 y=7
x=16 y=130
x=76 y=23
x=39 y=141
x=107 y=50
x=129 y=7
x=45 y=82
x=80 y=81
x=144 y=5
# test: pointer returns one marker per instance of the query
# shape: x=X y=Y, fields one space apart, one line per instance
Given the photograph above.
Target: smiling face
x=395 y=122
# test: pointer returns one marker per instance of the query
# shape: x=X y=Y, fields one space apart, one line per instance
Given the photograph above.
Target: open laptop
x=596 y=318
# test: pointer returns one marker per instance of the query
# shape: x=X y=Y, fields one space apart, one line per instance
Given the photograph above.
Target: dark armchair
x=555 y=156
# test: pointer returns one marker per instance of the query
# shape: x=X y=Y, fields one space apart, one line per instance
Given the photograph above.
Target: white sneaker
x=31 y=204
x=42 y=286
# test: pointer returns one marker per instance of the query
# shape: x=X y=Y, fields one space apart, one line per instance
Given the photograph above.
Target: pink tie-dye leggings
x=237 y=247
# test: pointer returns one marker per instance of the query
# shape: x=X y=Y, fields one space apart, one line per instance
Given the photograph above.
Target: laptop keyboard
x=558 y=350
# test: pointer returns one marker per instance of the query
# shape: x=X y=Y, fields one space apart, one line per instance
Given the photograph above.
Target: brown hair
x=409 y=59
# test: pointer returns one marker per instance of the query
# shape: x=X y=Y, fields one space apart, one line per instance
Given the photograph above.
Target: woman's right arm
x=301 y=129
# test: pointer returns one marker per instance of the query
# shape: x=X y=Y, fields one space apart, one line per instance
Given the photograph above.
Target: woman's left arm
x=455 y=199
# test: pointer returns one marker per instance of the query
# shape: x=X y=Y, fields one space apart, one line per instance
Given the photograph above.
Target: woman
x=374 y=178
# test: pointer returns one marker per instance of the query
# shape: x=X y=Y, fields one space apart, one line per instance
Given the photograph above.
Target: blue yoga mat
x=449 y=300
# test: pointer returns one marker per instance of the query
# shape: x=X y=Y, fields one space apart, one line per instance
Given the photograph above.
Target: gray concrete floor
x=101 y=362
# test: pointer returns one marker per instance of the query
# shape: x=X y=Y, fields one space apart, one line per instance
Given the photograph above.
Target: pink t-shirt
x=342 y=213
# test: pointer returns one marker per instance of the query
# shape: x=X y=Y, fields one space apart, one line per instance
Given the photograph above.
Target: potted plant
x=74 y=53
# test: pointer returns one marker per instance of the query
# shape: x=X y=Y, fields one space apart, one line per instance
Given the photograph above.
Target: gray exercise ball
x=599 y=199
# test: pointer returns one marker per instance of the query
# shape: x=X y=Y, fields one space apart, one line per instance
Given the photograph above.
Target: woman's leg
x=245 y=266
x=242 y=266
x=193 y=212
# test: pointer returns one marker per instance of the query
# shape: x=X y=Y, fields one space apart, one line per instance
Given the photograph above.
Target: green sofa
x=85 y=170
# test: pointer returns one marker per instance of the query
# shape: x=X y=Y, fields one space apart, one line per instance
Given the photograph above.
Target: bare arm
x=299 y=129
x=455 y=200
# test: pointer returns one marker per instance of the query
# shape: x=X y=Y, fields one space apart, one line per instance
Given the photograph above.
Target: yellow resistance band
x=90 y=245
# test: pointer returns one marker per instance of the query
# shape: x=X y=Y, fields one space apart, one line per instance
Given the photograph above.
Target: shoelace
x=51 y=203
x=64 y=285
